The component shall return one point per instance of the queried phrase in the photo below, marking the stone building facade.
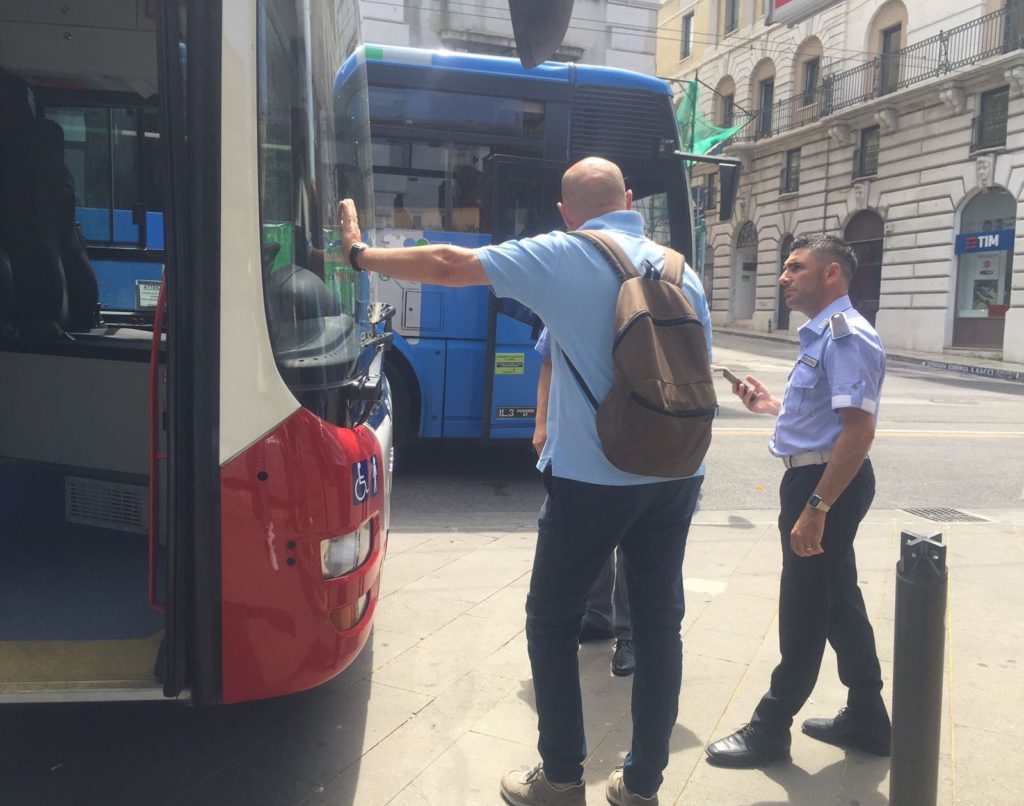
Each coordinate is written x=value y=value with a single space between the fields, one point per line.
x=604 y=32
x=897 y=125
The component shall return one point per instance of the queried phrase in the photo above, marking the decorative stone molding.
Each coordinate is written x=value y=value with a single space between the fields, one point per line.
x=744 y=152
x=1015 y=75
x=743 y=209
x=888 y=120
x=859 y=194
x=840 y=134
x=954 y=97
x=984 y=170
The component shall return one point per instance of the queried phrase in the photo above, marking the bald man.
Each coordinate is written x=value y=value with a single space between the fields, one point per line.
x=591 y=506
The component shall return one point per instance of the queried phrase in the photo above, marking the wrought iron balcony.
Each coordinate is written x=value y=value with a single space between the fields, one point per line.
x=988 y=130
x=993 y=34
x=865 y=161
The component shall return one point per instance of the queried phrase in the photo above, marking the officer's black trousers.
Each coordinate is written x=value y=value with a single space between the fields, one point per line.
x=820 y=600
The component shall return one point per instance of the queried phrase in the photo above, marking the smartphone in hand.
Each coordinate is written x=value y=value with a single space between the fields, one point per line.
x=731 y=378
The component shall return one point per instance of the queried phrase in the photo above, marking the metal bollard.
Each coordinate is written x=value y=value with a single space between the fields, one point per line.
x=921 y=582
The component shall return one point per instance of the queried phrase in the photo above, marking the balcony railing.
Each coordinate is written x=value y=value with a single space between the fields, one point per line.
x=865 y=161
x=988 y=130
x=998 y=32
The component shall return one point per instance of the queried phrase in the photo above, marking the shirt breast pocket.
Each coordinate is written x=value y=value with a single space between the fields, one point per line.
x=806 y=392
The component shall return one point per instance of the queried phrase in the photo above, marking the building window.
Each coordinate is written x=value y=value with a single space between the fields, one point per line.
x=766 y=95
x=989 y=127
x=706 y=196
x=728 y=110
x=789 y=181
x=865 y=156
x=731 y=16
x=889 y=69
x=812 y=72
x=686 y=43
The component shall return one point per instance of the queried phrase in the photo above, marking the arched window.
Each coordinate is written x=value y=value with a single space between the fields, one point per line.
x=865 y=233
x=744 y=272
x=887 y=35
x=725 y=102
x=762 y=95
x=984 y=249
x=747 y=236
x=807 y=64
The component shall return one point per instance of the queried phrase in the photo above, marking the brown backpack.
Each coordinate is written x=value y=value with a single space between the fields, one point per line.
x=656 y=421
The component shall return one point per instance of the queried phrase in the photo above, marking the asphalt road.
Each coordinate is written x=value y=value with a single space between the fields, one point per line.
x=944 y=439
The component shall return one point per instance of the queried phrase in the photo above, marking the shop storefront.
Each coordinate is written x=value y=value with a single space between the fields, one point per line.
x=984 y=249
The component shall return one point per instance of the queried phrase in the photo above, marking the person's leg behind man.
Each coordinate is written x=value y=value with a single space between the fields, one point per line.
x=653 y=553
x=599 y=619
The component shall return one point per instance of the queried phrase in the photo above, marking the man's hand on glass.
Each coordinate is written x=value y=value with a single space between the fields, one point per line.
x=348 y=223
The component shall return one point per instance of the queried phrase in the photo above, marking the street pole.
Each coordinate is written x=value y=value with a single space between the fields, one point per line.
x=921 y=586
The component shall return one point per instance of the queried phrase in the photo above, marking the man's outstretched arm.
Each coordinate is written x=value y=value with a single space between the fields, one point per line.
x=441 y=264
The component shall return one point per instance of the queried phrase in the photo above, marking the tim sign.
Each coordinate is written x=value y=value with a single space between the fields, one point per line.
x=790 y=12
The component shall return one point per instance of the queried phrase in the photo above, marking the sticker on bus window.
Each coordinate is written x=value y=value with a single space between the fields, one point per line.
x=365 y=480
x=147 y=293
x=509 y=363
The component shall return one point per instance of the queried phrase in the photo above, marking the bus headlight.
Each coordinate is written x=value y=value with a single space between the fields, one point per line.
x=341 y=555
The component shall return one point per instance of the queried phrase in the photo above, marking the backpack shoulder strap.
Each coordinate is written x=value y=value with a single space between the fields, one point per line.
x=611 y=251
x=673 y=271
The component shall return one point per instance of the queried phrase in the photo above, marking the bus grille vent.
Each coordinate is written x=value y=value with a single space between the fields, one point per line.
x=106 y=504
x=619 y=125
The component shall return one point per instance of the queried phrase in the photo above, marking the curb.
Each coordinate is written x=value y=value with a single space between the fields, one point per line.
x=999 y=373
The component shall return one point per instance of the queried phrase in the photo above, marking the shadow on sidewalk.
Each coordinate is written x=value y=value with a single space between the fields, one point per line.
x=860 y=775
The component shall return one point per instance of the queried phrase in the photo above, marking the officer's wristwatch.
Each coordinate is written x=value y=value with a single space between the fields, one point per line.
x=816 y=502
x=353 y=254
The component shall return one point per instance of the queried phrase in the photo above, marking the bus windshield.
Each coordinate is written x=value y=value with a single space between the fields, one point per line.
x=312 y=153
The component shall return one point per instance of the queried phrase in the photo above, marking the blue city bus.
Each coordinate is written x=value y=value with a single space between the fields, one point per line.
x=469 y=150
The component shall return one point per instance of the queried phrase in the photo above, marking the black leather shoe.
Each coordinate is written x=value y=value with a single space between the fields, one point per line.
x=750 y=746
x=623 y=661
x=591 y=632
x=871 y=734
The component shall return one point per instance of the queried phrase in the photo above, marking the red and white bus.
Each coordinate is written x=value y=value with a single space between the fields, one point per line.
x=195 y=428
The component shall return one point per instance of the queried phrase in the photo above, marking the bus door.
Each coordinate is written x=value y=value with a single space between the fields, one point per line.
x=524 y=194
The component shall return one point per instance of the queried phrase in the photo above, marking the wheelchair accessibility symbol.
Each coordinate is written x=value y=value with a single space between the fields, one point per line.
x=365 y=480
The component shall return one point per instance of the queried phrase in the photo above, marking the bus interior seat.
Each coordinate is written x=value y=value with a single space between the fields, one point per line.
x=55 y=287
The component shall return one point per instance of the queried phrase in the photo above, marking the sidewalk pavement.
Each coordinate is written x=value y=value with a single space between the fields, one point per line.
x=964 y=361
x=450 y=702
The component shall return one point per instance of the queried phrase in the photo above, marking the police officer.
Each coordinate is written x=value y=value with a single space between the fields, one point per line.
x=826 y=422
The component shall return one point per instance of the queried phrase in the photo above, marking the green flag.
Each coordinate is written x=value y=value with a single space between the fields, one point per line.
x=696 y=133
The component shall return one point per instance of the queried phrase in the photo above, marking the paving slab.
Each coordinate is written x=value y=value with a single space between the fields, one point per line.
x=451 y=650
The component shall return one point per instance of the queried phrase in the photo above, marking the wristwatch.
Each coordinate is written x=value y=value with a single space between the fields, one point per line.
x=816 y=502
x=353 y=254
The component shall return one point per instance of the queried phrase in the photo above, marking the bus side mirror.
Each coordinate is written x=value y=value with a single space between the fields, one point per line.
x=539 y=26
x=729 y=183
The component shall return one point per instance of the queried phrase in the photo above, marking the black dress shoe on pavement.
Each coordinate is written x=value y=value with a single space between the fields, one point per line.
x=750 y=746
x=871 y=734
x=591 y=632
x=623 y=661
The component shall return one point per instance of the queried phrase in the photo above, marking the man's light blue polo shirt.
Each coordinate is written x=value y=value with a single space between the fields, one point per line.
x=572 y=288
x=830 y=374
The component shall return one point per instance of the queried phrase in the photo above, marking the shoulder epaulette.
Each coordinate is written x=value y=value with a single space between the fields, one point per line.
x=838 y=326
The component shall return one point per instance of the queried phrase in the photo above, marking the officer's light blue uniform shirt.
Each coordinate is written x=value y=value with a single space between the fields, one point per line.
x=830 y=374
x=572 y=288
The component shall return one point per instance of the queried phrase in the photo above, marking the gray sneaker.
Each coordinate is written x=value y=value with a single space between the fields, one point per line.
x=532 y=788
x=618 y=795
